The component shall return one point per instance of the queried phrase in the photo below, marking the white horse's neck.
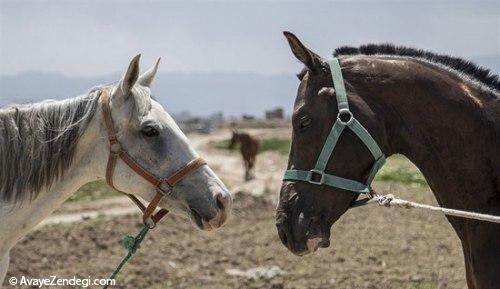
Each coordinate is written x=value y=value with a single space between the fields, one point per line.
x=88 y=165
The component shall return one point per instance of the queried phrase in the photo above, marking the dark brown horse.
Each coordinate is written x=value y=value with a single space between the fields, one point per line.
x=443 y=113
x=249 y=147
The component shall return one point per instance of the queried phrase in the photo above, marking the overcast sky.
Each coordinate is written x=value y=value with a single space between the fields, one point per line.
x=92 y=38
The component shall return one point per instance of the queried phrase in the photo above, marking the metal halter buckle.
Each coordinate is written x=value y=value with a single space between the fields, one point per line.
x=311 y=175
x=345 y=111
x=165 y=188
x=114 y=146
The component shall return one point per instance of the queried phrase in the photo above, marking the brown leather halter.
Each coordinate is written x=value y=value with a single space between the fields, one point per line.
x=163 y=186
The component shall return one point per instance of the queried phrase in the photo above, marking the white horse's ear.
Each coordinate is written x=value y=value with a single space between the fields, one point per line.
x=147 y=77
x=131 y=76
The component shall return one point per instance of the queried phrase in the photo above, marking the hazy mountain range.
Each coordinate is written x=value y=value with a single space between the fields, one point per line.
x=198 y=93
x=232 y=93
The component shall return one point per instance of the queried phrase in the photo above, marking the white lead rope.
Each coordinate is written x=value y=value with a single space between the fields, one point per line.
x=391 y=201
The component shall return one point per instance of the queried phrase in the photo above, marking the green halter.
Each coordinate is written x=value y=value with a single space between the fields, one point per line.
x=317 y=175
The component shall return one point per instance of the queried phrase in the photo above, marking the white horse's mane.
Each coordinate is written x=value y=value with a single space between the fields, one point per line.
x=38 y=141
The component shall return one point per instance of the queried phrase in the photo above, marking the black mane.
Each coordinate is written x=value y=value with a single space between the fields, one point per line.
x=481 y=74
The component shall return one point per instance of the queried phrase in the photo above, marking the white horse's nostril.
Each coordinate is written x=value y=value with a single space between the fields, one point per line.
x=223 y=203
x=220 y=202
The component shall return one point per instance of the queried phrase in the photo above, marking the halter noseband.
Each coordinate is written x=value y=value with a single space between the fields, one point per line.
x=163 y=186
x=317 y=175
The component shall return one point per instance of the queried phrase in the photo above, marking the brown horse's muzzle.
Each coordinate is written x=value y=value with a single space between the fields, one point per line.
x=301 y=228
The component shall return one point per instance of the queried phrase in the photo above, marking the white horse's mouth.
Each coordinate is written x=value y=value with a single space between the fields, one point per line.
x=196 y=218
x=207 y=224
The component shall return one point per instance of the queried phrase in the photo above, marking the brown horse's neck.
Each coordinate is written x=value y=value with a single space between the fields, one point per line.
x=244 y=139
x=447 y=125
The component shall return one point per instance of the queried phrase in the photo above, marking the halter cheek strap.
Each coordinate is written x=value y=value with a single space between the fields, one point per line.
x=163 y=186
x=345 y=119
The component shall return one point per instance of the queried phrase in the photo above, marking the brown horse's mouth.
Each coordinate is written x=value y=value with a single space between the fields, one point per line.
x=301 y=240
x=304 y=217
x=314 y=243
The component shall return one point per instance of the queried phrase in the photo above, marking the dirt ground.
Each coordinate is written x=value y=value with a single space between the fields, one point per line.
x=371 y=248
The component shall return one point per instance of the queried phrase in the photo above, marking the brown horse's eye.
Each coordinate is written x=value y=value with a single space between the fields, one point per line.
x=305 y=121
x=150 y=131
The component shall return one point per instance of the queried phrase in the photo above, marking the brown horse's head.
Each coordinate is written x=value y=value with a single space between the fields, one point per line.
x=234 y=139
x=307 y=211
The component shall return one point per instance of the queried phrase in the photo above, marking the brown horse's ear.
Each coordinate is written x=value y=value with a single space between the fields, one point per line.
x=310 y=59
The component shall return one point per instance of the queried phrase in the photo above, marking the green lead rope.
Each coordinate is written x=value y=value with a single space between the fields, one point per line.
x=132 y=244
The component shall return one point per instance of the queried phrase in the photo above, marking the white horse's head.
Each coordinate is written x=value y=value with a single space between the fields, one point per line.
x=153 y=139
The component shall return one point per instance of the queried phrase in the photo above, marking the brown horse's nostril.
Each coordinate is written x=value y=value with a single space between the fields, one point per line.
x=284 y=233
x=283 y=236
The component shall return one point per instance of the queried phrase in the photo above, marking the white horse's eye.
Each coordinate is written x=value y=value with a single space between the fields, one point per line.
x=150 y=131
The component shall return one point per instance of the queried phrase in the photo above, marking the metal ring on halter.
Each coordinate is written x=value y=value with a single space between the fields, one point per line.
x=345 y=111
x=115 y=147
x=150 y=223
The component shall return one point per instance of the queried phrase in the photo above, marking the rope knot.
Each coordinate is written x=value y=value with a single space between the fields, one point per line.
x=130 y=243
x=385 y=200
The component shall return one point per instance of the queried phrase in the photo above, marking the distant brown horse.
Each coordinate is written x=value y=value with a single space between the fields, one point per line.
x=441 y=112
x=249 y=147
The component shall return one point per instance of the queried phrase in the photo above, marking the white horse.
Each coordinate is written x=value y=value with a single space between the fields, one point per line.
x=50 y=149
